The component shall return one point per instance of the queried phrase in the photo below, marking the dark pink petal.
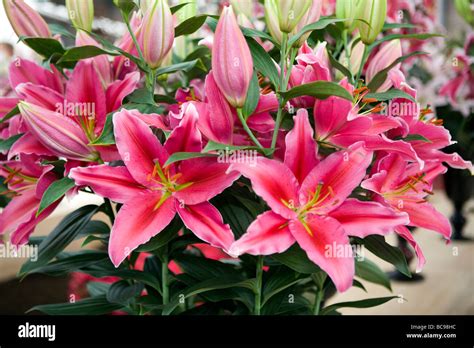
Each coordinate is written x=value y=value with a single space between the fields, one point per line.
x=208 y=178
x=185 y=137
x=28 y=144
x=330 y=115
x=7 y=104
x=120 y=89
x=424 y=215
x=115 y=183
x=85 y=88
x=327 y=246
x=205 y=221
x=137 y=221
x=405 y=233
x=361 y=219
x=216 y=121
x=338 y=175
x=381 y=124
x=301 y=149
x=274 y=182
x=454 y=160
x=138 y=146
x=42 y=96
x=23 y=70
x=268 y=234
x=18 y=211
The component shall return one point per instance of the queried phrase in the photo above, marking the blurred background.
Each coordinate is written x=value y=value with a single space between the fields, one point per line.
x=446 y=284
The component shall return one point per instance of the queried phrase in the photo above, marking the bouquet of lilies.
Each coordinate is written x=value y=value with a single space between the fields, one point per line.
x=242 y=174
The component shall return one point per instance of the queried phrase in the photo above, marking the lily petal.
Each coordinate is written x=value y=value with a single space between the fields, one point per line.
x=361 y=219
x=206 y=223
x=138 y=221
x=327 y=246
x=268 y=234
x=185 y=137
x=274 y=182
x=405 y=233
x=301 y=149
x=115 y=183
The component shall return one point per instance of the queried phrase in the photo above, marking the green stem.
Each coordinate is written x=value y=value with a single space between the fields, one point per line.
x=248 y=130
x=164 y=278
x=258 y=292
x=151 y=81
x=317 y=301
x=364 y=58
x=134 y=38
x=281 y=88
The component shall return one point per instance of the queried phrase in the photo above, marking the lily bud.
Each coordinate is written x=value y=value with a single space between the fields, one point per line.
x=390 y=52
x=57 y=132
x=372 y=15
x=346 y=9
x=232 y=63
x=157 y=33
x=24 y=20
x=183 y=44
x=355 y=56
x=290 y=13
x=271 y=19
x=311 y=16
x=81 y=13
x=245 y=7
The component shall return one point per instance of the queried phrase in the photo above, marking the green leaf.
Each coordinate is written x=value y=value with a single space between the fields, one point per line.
x=223 y=282
x=60 y=237
x=190 y=25
x=94 y=227
x=389 y=95
x=125 y=6
x=90 y=306
x=107 y=136
x=162 y=238
x=176 y=8
x=13 y=112
x=319 y=90
x=253 y=96
x=378 y=246
x=390 y=26
x=339 y=66
x=321 y=24
x=75 y=54
x=382 y=75
x=45 y=47
x=296 y=259
x=123 y=292
x=263 y=62
x=54 y=192
x=213 y=146
x=367 y=303
x=182 y=156
x=184 y=66
x=422 y=36
x=369 y=271
x=416 y=137
x=278 y=280
x=6 y=144
x=97 y=288
x=202 y=268
x=71 y=262
x=58 y=29
x=253 y=33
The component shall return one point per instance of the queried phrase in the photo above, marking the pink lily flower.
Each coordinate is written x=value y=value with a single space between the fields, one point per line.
x=404 y=187
x=310 y=205
x=338 y=125
x=27 y=180
x=231 y=59
x=153 y=193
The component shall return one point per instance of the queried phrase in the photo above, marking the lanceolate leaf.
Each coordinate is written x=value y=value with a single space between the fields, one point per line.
x=60 y=237
x=89 y=306
x=296 y=259
x=82 y=52
x=190 y=25
x=107 y=136
x=378 y=246
x=6 y=144
x=253 y=95
x=122 y=292
x=321 y=24
x=263 y=62
x=369 y=271
x=389 y=95
x=184 y=66
x=54 y=192
x=182 y=156
x=367 y=303
x=45 y=47
x=422 y=36
x=319 y=90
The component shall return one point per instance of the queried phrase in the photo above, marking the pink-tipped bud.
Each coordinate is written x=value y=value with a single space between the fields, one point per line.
x=390 y=52
x=24 y=20
x=231 y=59
x=157 y=33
